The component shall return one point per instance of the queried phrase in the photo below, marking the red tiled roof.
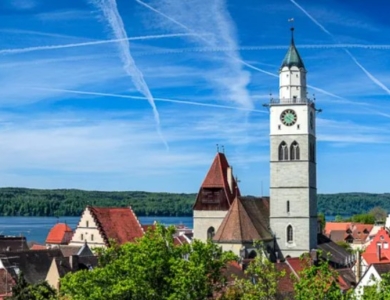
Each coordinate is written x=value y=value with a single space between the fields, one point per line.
x=330 y=226
x=297 y=264
x=38 y=247
x=285 y=283
x=232 y=271
x=371 y=254
x=217 y=181
x=59 y=234
x=120 y=224
x=340 y=231
x=247 y=220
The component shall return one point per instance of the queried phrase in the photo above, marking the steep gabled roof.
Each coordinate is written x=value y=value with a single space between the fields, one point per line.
x=119 y=224
x=247 y=220
x=217 y=182
x=292 y=57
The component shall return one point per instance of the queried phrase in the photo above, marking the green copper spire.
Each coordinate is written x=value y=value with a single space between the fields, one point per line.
x=292 y=57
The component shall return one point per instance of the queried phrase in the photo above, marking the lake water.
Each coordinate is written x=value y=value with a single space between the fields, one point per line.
x=37 y=228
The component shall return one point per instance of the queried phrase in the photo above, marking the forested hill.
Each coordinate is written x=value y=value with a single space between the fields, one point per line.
x=62 y=202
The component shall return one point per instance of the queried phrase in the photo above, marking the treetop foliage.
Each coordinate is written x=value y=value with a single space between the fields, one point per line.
x=152 y=268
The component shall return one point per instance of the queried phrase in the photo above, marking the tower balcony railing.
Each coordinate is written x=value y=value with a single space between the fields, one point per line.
x=282 y=101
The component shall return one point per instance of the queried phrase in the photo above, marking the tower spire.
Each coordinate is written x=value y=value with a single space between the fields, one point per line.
x=292 y=35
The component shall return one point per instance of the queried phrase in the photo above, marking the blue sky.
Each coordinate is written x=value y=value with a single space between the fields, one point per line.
x=135 y=95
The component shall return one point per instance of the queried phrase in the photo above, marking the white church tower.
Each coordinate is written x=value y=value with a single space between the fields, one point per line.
x=293 y=186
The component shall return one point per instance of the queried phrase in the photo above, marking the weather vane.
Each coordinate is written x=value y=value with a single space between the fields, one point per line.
x=291 y=20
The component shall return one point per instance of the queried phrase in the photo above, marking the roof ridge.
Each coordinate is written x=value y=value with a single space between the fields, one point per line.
x=99 y=225
x=135 y=216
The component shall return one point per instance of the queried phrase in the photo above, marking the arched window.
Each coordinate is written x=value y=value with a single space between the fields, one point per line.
x=283 y=151
x=210 y=233
x=290 y=234
x=294 y=151
x=288 y=205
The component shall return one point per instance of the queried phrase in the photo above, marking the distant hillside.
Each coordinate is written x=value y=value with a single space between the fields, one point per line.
x=62 y=202
x=352 y=203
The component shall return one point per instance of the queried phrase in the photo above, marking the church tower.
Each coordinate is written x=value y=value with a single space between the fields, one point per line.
x=293 y=186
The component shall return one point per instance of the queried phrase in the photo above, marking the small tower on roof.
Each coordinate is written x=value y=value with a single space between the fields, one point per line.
x=292 y=76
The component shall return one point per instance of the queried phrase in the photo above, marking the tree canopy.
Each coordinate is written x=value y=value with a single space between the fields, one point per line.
x=152 y=268
x=261 y=281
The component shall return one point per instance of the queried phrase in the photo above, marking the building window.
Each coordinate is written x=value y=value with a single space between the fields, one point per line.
x=91 y=237
x=294 y=151
x=288 y=205
x=210 y=233
x=87 y=224
x=289 y=234
x=283 y=151
x=82 y=237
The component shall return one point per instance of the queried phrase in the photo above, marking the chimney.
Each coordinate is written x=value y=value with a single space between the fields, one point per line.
x=358 y=266
x=230 y=178
x=74 y=262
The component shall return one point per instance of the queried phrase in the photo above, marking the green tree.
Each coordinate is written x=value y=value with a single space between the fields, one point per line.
x=261 y=280
x=378 y=213
x=316 y=281
x=25 y=291
x=152 y=268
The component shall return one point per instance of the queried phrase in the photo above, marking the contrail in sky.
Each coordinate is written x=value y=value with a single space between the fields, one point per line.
x=185 y=102
x=260 y=48
x=234 y=58
x=123 y=39
x=201 y=15
x=369 y=75
x=110 y=11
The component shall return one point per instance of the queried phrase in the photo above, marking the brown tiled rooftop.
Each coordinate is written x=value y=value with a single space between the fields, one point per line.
x=119 y=224
x=247 y=220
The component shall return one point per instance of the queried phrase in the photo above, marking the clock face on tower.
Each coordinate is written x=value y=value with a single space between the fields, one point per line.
x=288 y=117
